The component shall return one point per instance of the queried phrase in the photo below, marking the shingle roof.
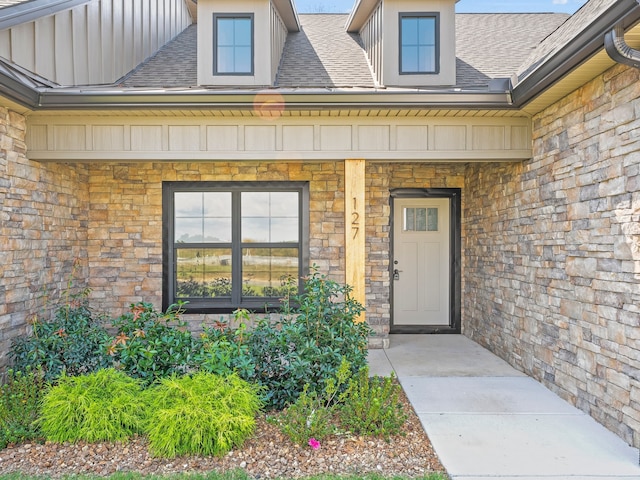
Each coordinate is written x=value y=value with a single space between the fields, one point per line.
x=494 y=45
x=174 y=65
x=592 y=10
x=323 y=54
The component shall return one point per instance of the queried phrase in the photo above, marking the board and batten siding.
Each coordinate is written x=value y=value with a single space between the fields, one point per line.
x=371 y=35
x=278 y=39
x=61 y=138
x=105 y=39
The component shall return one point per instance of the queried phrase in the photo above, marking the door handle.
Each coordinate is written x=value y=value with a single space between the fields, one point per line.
x=396 y=274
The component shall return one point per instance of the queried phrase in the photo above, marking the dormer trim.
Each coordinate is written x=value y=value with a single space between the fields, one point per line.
x=360 y=13
x=288 y=13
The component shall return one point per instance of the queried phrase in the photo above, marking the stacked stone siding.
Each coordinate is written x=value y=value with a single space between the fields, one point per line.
x=125 y=221
x=552 y=278
x=43 y=227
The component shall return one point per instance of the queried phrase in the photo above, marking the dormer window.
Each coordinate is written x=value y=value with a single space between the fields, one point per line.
x=233 y=44
x=419 y=49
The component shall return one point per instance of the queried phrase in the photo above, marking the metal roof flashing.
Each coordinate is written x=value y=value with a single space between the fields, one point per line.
x=31 y=10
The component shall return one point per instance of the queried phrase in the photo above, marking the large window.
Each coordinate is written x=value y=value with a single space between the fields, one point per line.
x=419 y=35
x=232 y=245
x=233 y=44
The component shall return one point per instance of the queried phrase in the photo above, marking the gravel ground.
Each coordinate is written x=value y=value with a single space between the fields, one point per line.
x=267 y=455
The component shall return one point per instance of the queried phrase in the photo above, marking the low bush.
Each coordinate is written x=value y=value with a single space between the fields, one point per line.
x=312 y=415
x=225 y=350
x=204 y=414
x=152 y=345
x=371 y=406
x=20 y=397
x=317 y=330
x=102 y=406
x=73 y=342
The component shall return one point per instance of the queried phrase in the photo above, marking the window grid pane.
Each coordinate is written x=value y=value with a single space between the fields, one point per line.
x=203 y=273
x=418 y=48
x=269 y=272
x=234 y=45
x=221 y=258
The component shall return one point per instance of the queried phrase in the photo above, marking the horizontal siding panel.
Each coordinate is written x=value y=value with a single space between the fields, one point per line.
x=109 y=138
x=222 y=138
x=184 y=138
x=146 y=138
x=335 y=137
x=410 y=137
x=260 y=138
x=373 y=138
x=488 y=137
x=70 y=137
x=297 y=137
x=450 y=137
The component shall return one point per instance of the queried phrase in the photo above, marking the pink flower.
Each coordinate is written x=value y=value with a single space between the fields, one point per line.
x=313 y=443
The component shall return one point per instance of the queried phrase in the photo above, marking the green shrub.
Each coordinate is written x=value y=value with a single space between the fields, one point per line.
x=371 y=406
x=312 y=415
x=152 y=345
x=102 y=406
x=203 y=414
x=225 y=350
x=20 y=397
x=306 y=346
x=74 y=342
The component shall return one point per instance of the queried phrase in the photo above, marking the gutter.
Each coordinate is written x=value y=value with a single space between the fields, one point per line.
x=618 y=49
x=583 y=46
x=270 y=100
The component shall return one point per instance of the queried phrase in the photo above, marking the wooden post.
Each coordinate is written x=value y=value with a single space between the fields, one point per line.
x=355 y=234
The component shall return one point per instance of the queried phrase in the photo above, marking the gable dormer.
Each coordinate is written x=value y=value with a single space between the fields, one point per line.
x=409 y=43
x=240 y=42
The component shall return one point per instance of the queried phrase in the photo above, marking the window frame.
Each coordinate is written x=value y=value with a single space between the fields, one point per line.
x=169 y=246
x=436 y=17
x=238 y=16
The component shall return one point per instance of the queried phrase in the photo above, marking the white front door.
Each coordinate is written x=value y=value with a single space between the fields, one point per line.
x=421 y=264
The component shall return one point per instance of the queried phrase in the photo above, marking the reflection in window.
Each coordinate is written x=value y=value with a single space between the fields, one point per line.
x=418 y=44
x=233 y=47
x=420 y=219
x=233 y=245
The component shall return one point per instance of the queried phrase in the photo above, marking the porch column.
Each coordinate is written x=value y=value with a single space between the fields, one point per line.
x=354 y=212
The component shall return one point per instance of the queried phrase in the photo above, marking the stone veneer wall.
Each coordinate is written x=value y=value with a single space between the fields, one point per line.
x=43 y=231
x=552 y=280
x=125 y=222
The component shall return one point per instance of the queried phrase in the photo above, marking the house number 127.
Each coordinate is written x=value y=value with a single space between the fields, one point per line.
x=355 y=219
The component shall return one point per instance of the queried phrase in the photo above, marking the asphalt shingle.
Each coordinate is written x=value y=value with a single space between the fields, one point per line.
x=494 y=45
x=324 y=55
x=174 y=65
x=564 y=34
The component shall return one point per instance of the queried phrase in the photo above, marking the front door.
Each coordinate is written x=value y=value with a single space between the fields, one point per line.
x=422 y=265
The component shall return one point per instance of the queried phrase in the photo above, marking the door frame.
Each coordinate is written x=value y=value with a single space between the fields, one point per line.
x=455 y=267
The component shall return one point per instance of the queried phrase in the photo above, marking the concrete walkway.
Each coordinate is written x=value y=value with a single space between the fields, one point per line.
x=486 y=420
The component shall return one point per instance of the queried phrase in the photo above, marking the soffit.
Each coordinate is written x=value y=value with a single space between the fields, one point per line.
x=391 y=113
x=586 y=72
